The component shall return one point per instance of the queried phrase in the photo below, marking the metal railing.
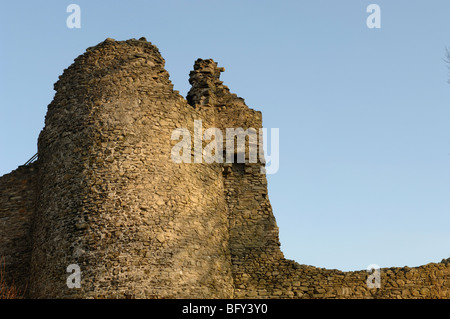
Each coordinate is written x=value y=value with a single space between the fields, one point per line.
x=32 y=159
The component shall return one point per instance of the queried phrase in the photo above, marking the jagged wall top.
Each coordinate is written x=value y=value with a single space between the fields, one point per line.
x=207 y=89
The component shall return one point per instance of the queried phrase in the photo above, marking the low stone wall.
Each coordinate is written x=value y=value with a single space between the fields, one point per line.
x=288 y=279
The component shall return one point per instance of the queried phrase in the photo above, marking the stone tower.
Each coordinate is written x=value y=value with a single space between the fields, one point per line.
x=107 y=196
x=114 y=202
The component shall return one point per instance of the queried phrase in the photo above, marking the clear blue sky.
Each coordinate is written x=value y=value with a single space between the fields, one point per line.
x=363 y=113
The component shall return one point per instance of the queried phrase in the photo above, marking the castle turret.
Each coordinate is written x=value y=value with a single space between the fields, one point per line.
x=111 y=200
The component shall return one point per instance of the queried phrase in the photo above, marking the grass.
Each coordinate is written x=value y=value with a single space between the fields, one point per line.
x=7 y=291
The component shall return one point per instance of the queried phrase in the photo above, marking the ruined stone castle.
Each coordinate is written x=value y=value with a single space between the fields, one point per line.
x=105 y=195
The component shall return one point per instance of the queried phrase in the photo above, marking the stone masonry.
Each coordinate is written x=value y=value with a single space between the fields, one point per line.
x=106 y=195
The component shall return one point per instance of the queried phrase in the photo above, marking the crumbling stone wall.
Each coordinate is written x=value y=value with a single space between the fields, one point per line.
x=106 y=195
x=254 y=243
x=259 y=267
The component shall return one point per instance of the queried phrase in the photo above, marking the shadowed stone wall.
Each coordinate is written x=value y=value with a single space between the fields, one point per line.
x=17 y=200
